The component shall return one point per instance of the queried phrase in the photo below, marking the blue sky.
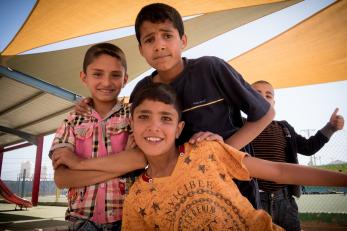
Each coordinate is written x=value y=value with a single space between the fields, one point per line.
x=307 y=107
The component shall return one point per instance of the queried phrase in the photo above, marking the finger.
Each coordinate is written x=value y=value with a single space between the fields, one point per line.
x=340 y=123
x=215 y=137
x=55 y=164
x=335 y=111
x=55 y=156
x=133 y=145
x=194 y=138
x=204 y=136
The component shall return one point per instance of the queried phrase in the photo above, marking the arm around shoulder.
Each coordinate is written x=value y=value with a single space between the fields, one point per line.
x=250 y=130
x=67 y=178
x=119 y=164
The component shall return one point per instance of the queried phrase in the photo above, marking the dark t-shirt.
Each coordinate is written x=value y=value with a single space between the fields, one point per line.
x=212 y=94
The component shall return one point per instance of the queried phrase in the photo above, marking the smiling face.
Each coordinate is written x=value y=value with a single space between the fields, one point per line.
x=266 y=90
x=162 y=46
x=104 y=77
x=156 y=126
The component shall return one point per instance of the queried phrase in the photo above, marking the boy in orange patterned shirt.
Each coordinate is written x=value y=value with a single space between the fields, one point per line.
x=191 y=187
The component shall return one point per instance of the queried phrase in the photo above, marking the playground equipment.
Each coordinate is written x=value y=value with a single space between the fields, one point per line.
x=12 y=198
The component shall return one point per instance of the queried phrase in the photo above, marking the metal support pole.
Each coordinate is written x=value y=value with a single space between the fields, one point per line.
x=37 y=173
x=1 y=158
x=23 y=183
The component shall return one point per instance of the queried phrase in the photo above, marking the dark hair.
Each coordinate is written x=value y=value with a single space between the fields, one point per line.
x=101 y=49
x=159 y=92
x=158 y=13
x=261 y=81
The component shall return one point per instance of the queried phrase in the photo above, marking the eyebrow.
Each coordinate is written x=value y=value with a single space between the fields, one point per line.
x=269 y=92
x=162 y=30
x=115 y=71
x=150 y=112
x=97 y=69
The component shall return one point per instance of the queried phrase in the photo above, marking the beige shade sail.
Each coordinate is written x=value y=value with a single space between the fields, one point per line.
x=29 y=110
x=56 y=20
x=62 y=67
x=313 y=52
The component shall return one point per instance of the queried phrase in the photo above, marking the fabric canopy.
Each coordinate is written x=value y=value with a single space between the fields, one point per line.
x=57 y=20
x=62 y=67
x=312 y=52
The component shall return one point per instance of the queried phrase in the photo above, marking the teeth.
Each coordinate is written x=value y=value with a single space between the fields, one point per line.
x=106 y=91
x=153 y=139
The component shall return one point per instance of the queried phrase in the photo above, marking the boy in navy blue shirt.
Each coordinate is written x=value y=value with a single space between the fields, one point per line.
x=212 y=93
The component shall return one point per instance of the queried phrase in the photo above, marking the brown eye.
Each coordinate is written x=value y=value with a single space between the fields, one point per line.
x=143 y=117
x=166 y=118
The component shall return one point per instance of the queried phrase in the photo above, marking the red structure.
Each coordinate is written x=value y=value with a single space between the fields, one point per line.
x=1 y=158
x=37 y=173
x=38 y=163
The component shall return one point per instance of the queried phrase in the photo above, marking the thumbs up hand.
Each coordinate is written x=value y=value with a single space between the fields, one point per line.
x=336 y=121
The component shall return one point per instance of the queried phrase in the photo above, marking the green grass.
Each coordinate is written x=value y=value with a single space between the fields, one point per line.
x=333 y=218
x=335 y=167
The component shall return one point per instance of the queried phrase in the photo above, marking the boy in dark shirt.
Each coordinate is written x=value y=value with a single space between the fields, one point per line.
x=279 y=142
x=212 y=93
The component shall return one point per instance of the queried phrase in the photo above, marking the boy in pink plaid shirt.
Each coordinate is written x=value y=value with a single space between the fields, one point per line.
x=94 y=205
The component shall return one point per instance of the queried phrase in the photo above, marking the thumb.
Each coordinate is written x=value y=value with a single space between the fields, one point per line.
x=335 y=112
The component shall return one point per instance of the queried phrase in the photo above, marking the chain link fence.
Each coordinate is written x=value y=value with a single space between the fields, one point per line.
x=314 y=199
x=332 y=156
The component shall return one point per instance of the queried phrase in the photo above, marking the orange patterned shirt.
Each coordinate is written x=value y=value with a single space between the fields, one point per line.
x=200 y=194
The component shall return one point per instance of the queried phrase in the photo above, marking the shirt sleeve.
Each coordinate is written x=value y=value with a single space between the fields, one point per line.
x=64 y=136
x=232 y=159
x=237 y=91
x=132 y=219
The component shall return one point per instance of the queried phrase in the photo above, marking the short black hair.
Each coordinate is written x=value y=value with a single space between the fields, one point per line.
x=158 y=13
x=101 y=49
x=261 y=81
x=159 y=92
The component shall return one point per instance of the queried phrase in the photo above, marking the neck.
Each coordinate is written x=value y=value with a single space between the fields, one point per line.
x=169 y=75
x=103 y=108
x=163 y=165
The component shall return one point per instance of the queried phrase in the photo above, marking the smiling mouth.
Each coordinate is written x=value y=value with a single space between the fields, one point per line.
x=107 y=91
x=153 y=139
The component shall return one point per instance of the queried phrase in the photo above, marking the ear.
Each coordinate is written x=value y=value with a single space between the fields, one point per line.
x=83 y=77
x=131 y=121
x=179 y=130
x=184 y=41
x=140 y=49
x=125 y=80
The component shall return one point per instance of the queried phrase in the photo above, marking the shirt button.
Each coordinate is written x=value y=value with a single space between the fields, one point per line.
x=102 y=185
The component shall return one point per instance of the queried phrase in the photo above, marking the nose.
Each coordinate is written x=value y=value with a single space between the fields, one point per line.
x=106 y=81
x=153 y=126
x=159 y=44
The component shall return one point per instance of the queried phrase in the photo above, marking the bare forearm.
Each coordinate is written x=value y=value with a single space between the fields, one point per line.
x=250 y=130
x=285 y=173
x=119 y=164
x=67 y=178
x=303 y=175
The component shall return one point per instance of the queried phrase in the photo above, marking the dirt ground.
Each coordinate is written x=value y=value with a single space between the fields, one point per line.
x=318 y=226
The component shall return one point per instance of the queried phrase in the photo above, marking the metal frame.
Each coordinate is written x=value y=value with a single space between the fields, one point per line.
x=39 y=84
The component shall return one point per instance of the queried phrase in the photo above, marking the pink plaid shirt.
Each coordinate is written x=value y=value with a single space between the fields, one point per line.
x=91 y=137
